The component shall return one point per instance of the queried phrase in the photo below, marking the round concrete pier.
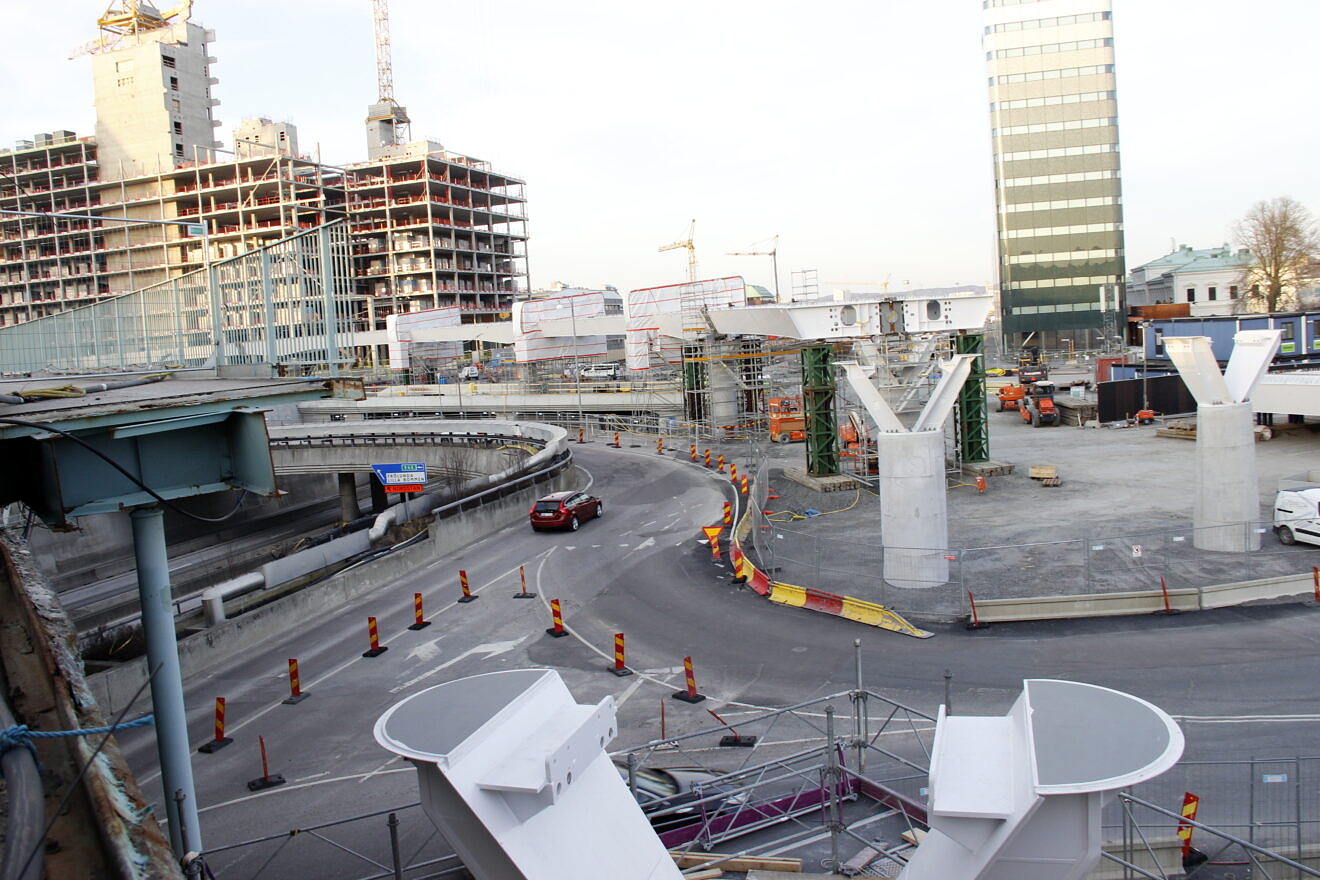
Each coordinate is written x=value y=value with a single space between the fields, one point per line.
x=914 y=514
x=1227 y=486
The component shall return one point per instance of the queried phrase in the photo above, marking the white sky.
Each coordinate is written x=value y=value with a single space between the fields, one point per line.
x=858 y=131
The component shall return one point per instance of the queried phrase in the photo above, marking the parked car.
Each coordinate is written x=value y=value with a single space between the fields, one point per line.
x=564 y=510
x=602 y=371
x=469 y=373
x=666 y=794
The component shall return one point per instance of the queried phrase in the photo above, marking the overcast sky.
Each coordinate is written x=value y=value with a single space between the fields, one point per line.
x=856 y=131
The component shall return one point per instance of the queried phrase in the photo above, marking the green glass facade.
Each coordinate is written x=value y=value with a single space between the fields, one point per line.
x=1058 y=187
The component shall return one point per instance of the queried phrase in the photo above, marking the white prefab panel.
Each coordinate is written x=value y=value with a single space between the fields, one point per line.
x=1253 y=350
x=691 y=297
x=534 y=343
x=405 y=343
x=513 y=772
x=869 y=396
x=1196 y=364
x=1227 y=479
x=498 y=332
x=953 y=374
x=1019 y=796
x=1288 y=393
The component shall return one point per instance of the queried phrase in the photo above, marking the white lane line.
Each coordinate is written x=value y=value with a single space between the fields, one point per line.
x=285 y=789
x=631 y=689
x=649 y=542
x=239 y=725
x=492 y=649
x=1243 y=719
x=379 y=769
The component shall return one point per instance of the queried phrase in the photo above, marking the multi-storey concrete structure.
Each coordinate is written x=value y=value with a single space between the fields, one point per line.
x=430 y=227
x=1058 y=202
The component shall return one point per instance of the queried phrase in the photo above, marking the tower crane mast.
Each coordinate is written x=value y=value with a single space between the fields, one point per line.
x=691 y=249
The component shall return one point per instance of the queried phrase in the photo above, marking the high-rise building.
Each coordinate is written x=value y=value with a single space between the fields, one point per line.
x=1058 y=194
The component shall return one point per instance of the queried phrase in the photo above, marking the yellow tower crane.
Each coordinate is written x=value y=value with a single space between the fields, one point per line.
x=691 y=249
x=773 y=254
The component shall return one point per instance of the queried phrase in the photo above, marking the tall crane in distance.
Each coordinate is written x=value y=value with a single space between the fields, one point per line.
x=387 y=122
x=691 y=249
x=773 y=254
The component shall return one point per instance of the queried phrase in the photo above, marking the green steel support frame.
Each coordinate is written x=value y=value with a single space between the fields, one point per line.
x=971 y=424
x=818 y=410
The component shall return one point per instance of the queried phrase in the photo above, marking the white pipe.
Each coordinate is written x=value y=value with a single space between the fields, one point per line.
x=213 y=598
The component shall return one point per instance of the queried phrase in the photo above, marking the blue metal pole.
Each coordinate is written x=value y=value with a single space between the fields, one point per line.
x=153 y=573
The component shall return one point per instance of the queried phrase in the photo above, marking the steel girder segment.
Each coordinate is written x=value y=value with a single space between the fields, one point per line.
x=818 y=409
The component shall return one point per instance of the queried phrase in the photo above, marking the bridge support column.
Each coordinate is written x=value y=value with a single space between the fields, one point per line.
x=349 y=509
x=379 y=500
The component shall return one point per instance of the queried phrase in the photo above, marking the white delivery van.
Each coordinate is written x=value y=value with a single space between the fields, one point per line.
x=602 y=371
x=1297 y=515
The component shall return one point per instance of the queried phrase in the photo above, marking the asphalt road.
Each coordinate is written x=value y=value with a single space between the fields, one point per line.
x=1241 y=680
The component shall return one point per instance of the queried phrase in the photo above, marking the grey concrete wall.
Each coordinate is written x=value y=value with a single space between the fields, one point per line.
x=268 y=625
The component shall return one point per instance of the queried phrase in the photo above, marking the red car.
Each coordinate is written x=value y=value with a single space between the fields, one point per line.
x=564 y=510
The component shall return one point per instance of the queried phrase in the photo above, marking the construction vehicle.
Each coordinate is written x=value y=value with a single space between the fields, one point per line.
x=1030 y=369
x=1037 y=407
x=786 y=420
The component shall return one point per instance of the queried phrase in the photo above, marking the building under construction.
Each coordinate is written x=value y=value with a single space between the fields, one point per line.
x=429 y=227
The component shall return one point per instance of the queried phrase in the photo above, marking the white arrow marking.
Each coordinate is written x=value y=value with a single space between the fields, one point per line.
x=491 y=649
x=649 y=542
x=426 y=650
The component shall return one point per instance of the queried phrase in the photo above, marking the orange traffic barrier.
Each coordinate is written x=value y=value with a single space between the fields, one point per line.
x=557 y=618
x=692 y=451
x=733 y=474
x=522 y=580
x=744 y=484
x=266 y=779
x=1315 y=576
x=1164 y=591
x=980 y=484
x=690 y=695
x=616 y=440
x=220 y=740
x=659 y=445
x=720 y=464
x=707 y=465
x=582 y=438
x=295 y=685
x=619 y=668
x=1190 y=804
x=728 y=514
x=420 y=622
x=467 y=593
x=372 y=633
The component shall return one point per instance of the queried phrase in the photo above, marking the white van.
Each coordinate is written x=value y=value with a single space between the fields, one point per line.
x=1297 y=515
x=602 y=371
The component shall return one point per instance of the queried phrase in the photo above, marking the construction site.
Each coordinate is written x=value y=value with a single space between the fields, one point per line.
x=183 y=321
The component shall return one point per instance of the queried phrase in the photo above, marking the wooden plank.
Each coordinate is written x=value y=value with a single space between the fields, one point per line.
x=1043 y=472
x=738 y=863
x=709 y=874
x=914 y=836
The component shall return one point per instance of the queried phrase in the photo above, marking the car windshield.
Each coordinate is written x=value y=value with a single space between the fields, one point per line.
x=656 y=782
x=547 y=506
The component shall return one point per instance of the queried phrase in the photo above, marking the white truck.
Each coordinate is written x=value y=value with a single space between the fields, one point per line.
x=1297 y=514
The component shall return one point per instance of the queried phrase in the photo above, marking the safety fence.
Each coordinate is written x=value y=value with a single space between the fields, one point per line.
x=288 y=302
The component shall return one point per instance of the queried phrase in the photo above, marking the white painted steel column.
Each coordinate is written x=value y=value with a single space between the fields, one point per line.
x=914 y=513
x=1227 y=485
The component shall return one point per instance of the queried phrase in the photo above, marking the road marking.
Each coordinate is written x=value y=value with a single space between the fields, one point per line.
x=379 y=769
x=632 y=688
x=649 y=542
x=492 y=649
x=239 y=725
x=285 y=789
x=426 y=650
x=1244 y=719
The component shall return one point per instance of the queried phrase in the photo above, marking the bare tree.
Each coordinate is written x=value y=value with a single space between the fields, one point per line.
x=1281 y=235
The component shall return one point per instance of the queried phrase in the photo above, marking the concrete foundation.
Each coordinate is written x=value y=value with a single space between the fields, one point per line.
x=914 y=517
x=1227 y=485
x=349 y=509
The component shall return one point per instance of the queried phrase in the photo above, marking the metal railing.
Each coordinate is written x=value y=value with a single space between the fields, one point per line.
x=287 y=302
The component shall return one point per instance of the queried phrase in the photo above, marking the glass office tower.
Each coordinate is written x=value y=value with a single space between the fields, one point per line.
x=1058 y=193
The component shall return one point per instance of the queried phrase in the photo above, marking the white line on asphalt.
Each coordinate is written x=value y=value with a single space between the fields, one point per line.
x=491 y=649
x=378 y=770
x=285 y=789
x=347 y=663
x=649 y=542
x=631 y=689
x=1243 y=719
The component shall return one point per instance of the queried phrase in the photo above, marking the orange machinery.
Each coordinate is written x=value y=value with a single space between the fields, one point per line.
x=786 y=420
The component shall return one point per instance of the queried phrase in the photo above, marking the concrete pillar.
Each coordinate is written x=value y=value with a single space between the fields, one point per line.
x=379 y=500
x=349 y=509
x=153 y=576
x=914 y=513
x=1227 y=485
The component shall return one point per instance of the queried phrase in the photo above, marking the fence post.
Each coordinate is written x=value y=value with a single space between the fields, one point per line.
x=832 y=774
x=393 y=823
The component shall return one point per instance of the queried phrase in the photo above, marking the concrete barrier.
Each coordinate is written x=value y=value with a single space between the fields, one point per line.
x=1288 y=587
x=1098 y=605
x=270 y=624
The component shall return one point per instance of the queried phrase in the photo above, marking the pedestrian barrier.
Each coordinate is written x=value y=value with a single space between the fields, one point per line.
x=557 y=618
x=220 y=740
x=467 y=593
x=376 y=647
x=421 y=622
x=295 y=687
x=619 y=668
x=690 y=695
x=522 y=590
x=266 y=779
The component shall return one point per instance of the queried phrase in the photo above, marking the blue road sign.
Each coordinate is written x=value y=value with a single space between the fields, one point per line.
x=407 y=476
